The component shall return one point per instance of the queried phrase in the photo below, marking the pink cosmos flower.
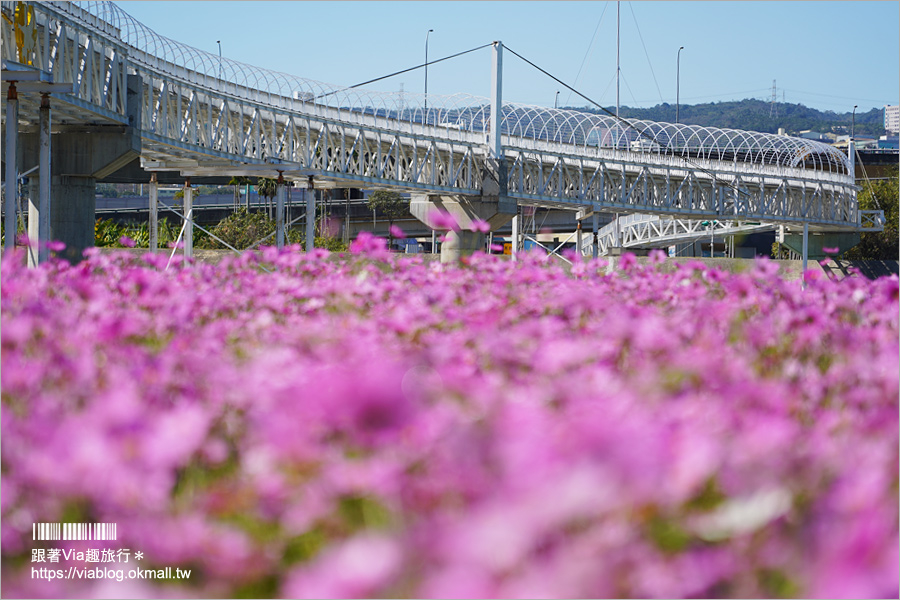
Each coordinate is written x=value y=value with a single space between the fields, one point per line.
x=398 y=233
x=480 y=225
x=368 y=243
x=442 y=220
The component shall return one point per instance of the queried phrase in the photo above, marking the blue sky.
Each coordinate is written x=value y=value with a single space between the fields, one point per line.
x=827 y=55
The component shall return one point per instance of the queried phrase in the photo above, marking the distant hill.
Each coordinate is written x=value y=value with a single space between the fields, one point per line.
x=753 y=115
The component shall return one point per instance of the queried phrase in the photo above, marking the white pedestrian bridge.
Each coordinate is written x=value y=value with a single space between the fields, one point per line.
x=198 y=114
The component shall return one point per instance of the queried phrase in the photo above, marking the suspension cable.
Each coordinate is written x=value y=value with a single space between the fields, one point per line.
x=865 y=175
x=588 y=51
x=425 y=64
x=645 y=51
x=627 y=124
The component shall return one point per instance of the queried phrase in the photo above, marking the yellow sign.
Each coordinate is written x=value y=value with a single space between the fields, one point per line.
x=26 y=33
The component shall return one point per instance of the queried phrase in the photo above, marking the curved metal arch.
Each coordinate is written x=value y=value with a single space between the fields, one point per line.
x=459 y=111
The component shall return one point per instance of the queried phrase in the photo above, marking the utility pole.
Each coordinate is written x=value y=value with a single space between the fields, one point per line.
x=425 y=121
x=773 y=110
x=678 y=83
x=618 y=30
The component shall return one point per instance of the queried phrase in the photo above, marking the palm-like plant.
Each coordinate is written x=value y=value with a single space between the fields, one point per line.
x=237 y=181
x=267 y=188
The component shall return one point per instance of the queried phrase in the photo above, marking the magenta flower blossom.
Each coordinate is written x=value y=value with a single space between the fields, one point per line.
x=368 y=243
x=442 y=220
x=398 y=233
x=126 y=241
x=480 y=226
x=380 y=425
x=828 y=250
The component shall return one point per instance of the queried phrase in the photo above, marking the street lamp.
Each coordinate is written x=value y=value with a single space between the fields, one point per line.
x=556 y=101
x=219 y=42
x=678 y=83
x=853 y=122
x=426 y=74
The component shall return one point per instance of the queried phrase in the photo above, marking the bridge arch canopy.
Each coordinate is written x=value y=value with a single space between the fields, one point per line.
x=604 y=131
x=459 y=111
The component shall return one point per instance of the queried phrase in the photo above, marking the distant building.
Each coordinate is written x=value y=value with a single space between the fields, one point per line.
x=892 y=119
x=889 y=142
x=814 y=135
x=865 y=142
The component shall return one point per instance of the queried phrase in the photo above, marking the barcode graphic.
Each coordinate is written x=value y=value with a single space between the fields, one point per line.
x=73 y=531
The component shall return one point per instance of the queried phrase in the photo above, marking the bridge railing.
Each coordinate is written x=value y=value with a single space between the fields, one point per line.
x=238 y=114
x=871 y=220
x=462 y=112
x=82 y=51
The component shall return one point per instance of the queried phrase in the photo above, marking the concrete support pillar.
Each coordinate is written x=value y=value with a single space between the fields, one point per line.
x=279 y=211
x=805 y=252
x=594 y=230
x=12 y=174
x=514 y=238
x=579 y=239
x=618 y=239
x=467 y=212
x=154 y=213
x=39 y=211
x=310 y=215
x=461 y=243
x=73 y=199
x=189 y=215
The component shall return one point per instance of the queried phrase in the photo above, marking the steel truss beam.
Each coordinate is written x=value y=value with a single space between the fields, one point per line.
x=194 y=123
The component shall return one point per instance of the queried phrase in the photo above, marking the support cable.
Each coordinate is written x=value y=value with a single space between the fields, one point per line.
x=627 y=124
x=645 y=52
x=188 y=219
x=866 y=176
x=433 y=62
x=633 y=99
x=588 y=52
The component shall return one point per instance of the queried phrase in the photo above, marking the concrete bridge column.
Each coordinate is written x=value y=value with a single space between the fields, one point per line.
x=81 y=154
x=279 y=211
x=310 y=194
x=515 y=234
x=189 y=218
x=39 y=204
x=464 y=210
x=805 y=253
x=154 y=213
x=579 y=237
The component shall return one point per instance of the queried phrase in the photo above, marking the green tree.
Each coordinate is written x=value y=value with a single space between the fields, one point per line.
x=391 y=205
x=883 y=245
x=267 y=188
x=241 y=229
x=237 y=181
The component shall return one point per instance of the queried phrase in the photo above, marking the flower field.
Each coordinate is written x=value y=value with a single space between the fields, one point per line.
x=293 y=425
